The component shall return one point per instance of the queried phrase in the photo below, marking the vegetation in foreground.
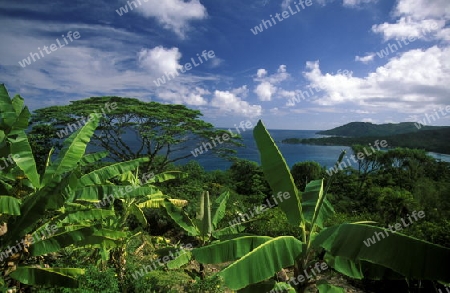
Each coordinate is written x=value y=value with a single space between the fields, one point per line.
x=99 y=248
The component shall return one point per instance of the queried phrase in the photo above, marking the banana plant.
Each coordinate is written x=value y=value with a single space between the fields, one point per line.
x=38 y=212
x=135 y=193
x=255 y=259
x=204 y=226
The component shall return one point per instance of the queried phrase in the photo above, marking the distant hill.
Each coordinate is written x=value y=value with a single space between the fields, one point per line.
x=360 y=129
x=435 y=140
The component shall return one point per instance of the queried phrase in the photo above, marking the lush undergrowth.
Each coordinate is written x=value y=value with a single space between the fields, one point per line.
x=76 y=223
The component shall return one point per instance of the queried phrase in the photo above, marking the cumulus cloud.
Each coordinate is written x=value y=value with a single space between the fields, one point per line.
x=94 y=68
x=423 y=9
x=267 y=86
x=265 y=90
x=229 y=102
x=413 y=79
x=261 y=73
x=365 y=59
x=408 y=27
x=241 y=91
x=174 y=15
x=185 y=95
x=417 y=18
x=160 y=60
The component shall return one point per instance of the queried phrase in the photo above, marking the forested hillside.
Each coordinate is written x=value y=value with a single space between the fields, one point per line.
x=432 y=140
x=359 y=129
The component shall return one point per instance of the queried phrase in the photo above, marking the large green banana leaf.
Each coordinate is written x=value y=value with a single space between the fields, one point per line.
x=17 y=103
x=92 y=158
x=278 y=175
x=411 y=257
x=257 y=265
x=361 y=269
x=229 y=250
x=104 y=239
x=84 y=216
x=79 y=236
x=316 y=208
x=73 y=150
x=181 y=218
x=95 y=193
x=219 y=208
x=158 y=201
x=8 y=114
x=165 y=176
x=61 y=240
x=23 y=157
x=100 y=176
x=184 y=258
x=49 y=197
x=9 y=205
x=63 y=277
x=16 y=116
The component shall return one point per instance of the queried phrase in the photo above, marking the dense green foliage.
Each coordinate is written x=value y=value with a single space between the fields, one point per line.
x=304 y=172
x=101 y=245
x=310 y=211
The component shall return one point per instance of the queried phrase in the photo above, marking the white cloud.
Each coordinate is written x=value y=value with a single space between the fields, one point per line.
x=185 y=95
x=229 y=102
x=267 y=83
x=241 y=91
x=417 y=18
x=415 y=79
x=409 y=27
x=423 y=9
x=356 y=3
x=347 y=3
x=261 y=73
x=174 y=14
x=92 y=68
x=265 y=90
x=365 y=59
x=160 y=60
x=287 y=94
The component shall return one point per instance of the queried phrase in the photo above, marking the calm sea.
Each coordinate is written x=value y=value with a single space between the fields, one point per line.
x=293 y=153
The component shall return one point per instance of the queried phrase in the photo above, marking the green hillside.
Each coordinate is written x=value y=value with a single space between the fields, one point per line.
x=359 y=129
x=435 y=140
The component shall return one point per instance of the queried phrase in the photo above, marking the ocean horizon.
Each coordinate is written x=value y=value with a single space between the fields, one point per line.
x=293 y=153
x=326 y=156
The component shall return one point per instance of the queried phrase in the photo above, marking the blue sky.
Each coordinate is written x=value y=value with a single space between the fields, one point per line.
x=378 y=61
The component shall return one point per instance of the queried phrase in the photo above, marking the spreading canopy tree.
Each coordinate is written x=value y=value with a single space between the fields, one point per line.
x=130 y=128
